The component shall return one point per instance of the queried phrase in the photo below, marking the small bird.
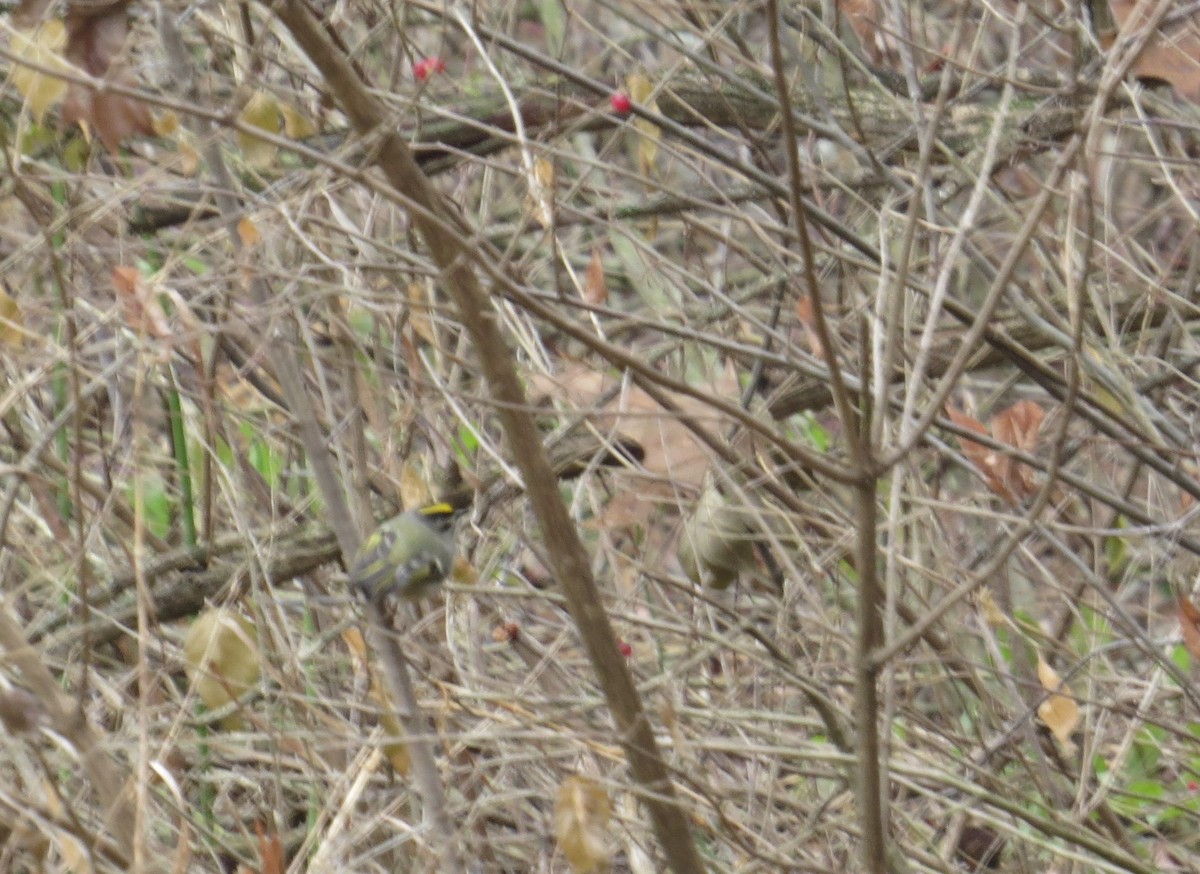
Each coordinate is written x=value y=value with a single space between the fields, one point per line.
x=408 y=555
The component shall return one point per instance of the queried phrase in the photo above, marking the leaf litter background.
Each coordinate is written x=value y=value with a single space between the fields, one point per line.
x=1036 y=542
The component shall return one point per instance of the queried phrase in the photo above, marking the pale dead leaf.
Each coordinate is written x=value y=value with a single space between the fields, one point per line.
x=414 y=487
x=581 y=815
x=1059 y=712
x=641 y=90
x=42 y=46
x=992 y=614
x=539 y=200
x=395 y=749
x=261 y=111
x=12 y=322
x=222 y=659
x=75 y=855
x=189 y=158
x=166 y=124
x=356 y=643
x=296 y=125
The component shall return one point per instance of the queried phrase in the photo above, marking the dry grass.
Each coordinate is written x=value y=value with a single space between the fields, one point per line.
x=669 y=303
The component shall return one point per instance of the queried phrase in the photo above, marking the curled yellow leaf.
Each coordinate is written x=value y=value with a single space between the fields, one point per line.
x=1059 y=712
x=263 y=112
x=641 y=89
x=42 y=46
x=222 y=660
x=581 y=815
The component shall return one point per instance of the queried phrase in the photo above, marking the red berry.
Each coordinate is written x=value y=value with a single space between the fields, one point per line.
x=620 y=102
x=1193 y=785
x=426 y=67
x=507 y=633
x=625 y=648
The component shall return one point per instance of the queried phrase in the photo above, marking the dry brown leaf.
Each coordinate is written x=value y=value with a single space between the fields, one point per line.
x=672 y=451
x=804 y=312
x=96 y=37
x=581 y=815
x=418 y=313
x=1019 y=427
x=143 y=313
x=1059 y=712
x=353 y=638
x=1171 y=55
x=1189 y=624
x=979 y=848
x=863 y=18
x=1186 y=499
x=595 y=289
x=674 y=460
x=979 y=455
x=248 y=232
x=271 y=855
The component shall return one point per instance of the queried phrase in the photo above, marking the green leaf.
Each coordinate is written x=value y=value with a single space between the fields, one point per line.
x=1116 y=551
x=156 y=503
x=1181 y=659
x=816 y=433
x=554 y=20
x=194 y=264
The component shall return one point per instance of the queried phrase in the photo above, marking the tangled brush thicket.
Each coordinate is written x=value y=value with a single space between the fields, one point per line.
x=859 y=338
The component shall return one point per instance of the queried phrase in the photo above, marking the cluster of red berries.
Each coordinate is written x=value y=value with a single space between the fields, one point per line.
x=427 y=67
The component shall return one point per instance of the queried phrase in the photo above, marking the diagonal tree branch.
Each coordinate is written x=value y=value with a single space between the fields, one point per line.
x=570 y=560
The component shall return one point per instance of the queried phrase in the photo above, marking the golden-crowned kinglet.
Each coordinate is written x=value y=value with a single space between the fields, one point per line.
x=409 y=554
